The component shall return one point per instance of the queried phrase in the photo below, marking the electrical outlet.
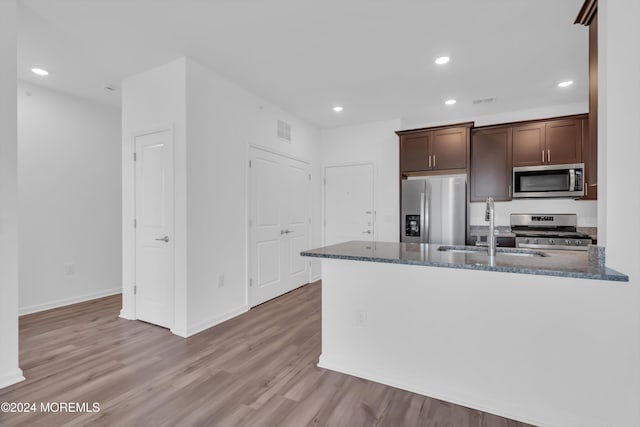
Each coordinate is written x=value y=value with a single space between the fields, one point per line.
x=361 y=317
x=69 y=269
x=221 y=280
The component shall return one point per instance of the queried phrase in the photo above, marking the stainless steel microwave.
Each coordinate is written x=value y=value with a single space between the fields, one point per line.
x=549 y=181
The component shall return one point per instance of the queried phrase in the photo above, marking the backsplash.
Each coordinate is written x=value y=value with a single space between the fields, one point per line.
x=585 y=209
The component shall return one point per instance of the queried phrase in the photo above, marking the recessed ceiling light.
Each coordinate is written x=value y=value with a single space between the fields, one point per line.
x=337 y=108
x=565 y=84
x=450 y=101
x=442 y=60
x=40 y=71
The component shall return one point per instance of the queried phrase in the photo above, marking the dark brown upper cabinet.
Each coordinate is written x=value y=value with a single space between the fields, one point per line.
x=414 y=152
x=490 y=168
x=449 y=148
x=434 y=149
x=564 y=141
x=529 y=144
x=588 y=16
x=548 y=143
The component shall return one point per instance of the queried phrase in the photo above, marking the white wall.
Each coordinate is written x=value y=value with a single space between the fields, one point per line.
x=9 y=371
x=151 y=101
x=69 y=194
x=619 y=136
x=223 y=120
x=214 y=122
x=374 y=143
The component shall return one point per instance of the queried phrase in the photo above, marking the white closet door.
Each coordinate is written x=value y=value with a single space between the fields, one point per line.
x=279 y=212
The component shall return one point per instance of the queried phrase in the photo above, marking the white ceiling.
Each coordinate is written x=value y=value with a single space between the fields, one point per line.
x=374 y=57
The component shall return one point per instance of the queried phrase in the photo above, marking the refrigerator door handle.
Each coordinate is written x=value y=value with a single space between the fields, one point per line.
x=427 y=214
x=422 y=219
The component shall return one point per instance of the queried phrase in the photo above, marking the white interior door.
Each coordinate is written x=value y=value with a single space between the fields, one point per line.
x=154 y=228
x=296 y=187
x=279 y=215
x=348 y=203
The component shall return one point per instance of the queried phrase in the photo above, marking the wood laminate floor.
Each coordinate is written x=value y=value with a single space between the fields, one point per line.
x=258 y=369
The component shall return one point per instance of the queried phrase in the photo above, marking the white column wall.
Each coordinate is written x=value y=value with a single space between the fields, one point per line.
x=619 y=197
x=9 y=371
x=151 y=101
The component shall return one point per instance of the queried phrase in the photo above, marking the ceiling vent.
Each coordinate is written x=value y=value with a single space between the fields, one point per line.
x=484 y=100
x=284 y=130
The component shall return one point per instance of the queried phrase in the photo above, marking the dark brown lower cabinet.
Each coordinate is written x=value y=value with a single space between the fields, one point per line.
x=490 y=170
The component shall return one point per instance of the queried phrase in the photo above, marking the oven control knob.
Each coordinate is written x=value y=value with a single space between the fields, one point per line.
x=551 y=241
x=535 y=241
x=567 y=242
x=578 y=242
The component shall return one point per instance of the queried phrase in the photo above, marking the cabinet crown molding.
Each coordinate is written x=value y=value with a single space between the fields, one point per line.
x=453 y=125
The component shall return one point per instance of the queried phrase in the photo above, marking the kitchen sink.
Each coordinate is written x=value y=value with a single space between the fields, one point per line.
x=483 y=251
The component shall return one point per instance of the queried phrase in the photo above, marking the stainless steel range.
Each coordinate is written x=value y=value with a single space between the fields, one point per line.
x=548 y=231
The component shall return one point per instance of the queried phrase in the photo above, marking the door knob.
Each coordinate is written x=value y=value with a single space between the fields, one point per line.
x=285 y=232
x=366 y=232
x=164 y=239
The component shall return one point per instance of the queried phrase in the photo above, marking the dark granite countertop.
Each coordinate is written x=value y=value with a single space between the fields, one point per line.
x=576 y=264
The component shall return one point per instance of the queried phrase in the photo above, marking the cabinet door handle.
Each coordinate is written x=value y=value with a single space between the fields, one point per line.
x=434 y=160
x=429 y=160
x=586 y=189
x=549 y=156
x=509 y=192
x=542 y=156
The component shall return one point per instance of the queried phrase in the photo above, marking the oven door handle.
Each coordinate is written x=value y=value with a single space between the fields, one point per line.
x=564 y=247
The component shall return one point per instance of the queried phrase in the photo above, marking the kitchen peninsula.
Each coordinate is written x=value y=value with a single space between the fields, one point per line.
x=507 y=337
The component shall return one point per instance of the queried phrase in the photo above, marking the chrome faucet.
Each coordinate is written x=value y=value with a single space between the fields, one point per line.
x=490 y=215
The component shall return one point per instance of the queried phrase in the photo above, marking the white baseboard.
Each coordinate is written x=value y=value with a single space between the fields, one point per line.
x=316 y=278
x=334 y=365
x=67 y=301
x=181 y=332
x=11 y=378
x=206 y=324
x=126 y=315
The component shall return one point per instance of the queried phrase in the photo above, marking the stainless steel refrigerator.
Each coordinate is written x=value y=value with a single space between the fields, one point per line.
x=434 y=209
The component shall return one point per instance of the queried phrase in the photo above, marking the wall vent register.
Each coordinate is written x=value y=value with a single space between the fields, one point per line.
x=284 y=130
